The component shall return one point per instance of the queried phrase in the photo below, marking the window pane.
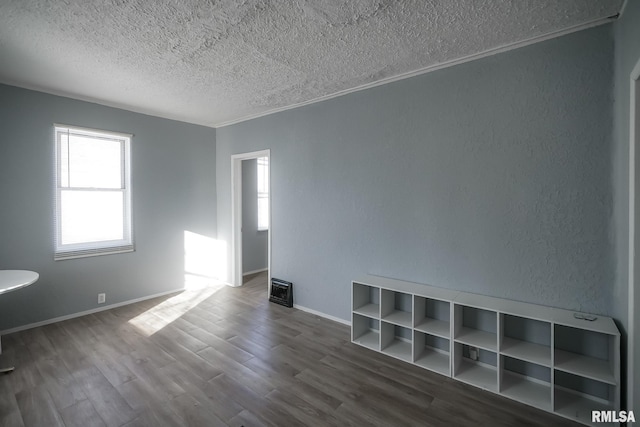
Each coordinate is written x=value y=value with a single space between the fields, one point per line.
x=263 y=193
x=263 y=174
x=93 y=162
x=91 y=216
x=64 y=160
x=263 y=213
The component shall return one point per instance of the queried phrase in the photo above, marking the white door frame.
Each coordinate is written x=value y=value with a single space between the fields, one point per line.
x=633 y=345
x=236 y=214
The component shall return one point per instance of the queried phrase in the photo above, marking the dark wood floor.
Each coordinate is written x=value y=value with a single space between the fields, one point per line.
x=227 y=357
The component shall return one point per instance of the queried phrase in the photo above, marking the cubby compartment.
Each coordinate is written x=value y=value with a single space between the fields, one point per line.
x=366 y=300
x=576 y=396
x=476 y=327
x=396 y=308
x=526 y=382
x=396 y=341
x=365 y=331
x=586 y=353
x=432 y=352
x=526 y=339
x=432 y=316
x=481 y=372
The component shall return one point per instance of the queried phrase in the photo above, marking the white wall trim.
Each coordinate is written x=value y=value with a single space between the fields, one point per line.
x=634 y=86
x=435 y=67
x=255 y=271
x=87 y=312
x=321 y=314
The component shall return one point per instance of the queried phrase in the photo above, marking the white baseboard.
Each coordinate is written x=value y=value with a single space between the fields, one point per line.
x=135 y=300
x=84 y=313
x=318 y=313
x=255 y=271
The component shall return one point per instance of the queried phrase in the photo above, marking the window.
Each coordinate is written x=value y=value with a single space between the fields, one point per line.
x=93 y=193
x=263 y=193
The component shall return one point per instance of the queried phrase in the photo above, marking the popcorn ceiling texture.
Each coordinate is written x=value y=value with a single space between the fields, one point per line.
x=213 y=62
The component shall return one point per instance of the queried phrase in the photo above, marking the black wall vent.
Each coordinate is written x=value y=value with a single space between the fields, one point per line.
x=281 y=292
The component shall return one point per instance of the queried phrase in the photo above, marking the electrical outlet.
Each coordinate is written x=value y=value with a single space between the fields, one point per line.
x=102 y=298
x=473 y=353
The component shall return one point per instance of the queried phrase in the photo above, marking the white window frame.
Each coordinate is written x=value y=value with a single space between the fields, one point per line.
x=262 y=164
x=92 y=248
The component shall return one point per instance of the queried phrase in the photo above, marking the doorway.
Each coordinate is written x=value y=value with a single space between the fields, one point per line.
x=255 y=215
x=248 y=236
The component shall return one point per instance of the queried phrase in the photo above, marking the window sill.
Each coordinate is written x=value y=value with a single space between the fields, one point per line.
x=85 y=254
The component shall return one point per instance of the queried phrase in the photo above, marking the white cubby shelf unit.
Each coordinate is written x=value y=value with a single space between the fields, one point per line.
x=541 y=356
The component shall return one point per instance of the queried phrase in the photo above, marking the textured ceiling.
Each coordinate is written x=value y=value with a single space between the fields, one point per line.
x=215 y=62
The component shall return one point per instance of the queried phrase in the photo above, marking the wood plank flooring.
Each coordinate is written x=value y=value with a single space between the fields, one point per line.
x=227 y=357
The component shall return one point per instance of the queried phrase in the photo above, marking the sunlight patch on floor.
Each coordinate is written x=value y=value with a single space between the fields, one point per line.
x=168 y=311
x=204 y=262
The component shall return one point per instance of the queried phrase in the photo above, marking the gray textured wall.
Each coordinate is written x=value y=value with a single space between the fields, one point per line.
x=627 y=54
x=254 y=242
x=174 y=189
x=493 y=177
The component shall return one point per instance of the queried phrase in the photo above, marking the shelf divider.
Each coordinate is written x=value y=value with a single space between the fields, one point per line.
x=434 y=327
x=584 y=366
x=529 y=352
x=370 y=339
x=397 y=317
x=527 y=391
x=577 y=406
x=478 y=375
x=477 y=338
x=369 y=310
